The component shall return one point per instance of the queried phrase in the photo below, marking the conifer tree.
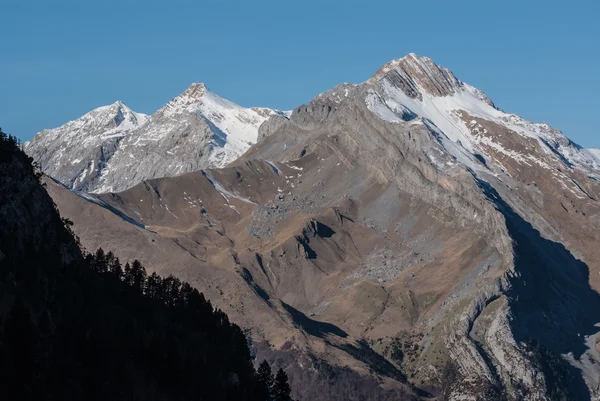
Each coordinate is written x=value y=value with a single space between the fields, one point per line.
x=127 y=273
x=99 y=263
x=152 y=284
x=265 y=379
x=138 y=275
x=281 y=387
x=114 y=265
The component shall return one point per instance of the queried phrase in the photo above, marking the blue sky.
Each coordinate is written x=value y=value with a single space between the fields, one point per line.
x=62 y=58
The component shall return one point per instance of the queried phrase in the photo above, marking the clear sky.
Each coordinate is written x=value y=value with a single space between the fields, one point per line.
x=62 y=58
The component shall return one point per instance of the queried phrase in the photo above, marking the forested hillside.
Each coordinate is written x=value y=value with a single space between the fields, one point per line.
x=76 y=326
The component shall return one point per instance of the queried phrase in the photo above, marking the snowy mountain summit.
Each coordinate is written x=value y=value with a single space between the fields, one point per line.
x=113 y=148
x=77 y=152
x=416 y=89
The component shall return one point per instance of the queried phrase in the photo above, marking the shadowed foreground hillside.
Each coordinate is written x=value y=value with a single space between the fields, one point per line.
x=75 y=326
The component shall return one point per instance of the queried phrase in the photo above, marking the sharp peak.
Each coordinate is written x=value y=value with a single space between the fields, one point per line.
x=120 y=105
x=196 y=93
x=410 y=57
x=414 y=73
x=196 y=90
x=110 y=108
x=415 y=56
x=198 y=85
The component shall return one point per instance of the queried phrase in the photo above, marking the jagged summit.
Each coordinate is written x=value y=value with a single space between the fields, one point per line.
x=413 y=74
x=110 y=119
x=196 y=90
x=111 y=116
x=76 y=152
x=197 y=86
x=198 y=98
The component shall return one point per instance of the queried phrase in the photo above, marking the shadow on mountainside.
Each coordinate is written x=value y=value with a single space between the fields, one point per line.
x=99 y=202
x=324 y=381
x=551 y=299
x=363 y=352
x=313 y=327
x=359 y=350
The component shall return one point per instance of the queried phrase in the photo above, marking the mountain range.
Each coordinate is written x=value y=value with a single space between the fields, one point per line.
x=113 y=148
x=395 y=239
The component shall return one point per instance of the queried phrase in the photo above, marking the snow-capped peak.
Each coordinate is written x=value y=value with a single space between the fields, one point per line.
x=194 y=98
x=75 y=152
x=111 y=118
x=125 y=118
x=236 y=126
x=414 y=86
x=196 y=89
x=416 y=74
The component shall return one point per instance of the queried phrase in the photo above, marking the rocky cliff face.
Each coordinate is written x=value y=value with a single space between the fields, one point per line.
x=113 y=148
x=403 y=227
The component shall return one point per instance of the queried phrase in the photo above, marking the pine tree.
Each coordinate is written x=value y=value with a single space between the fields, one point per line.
x=265 y=379
x=100 y=261
x=127 y=274
x=138 y=276
x=114 y=265
x=152 y=284
x=171 y=286
x=281 y=387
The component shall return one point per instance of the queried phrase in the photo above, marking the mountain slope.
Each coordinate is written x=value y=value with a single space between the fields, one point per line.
x=113 y=148
x=444 y=142
x=404 y=228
